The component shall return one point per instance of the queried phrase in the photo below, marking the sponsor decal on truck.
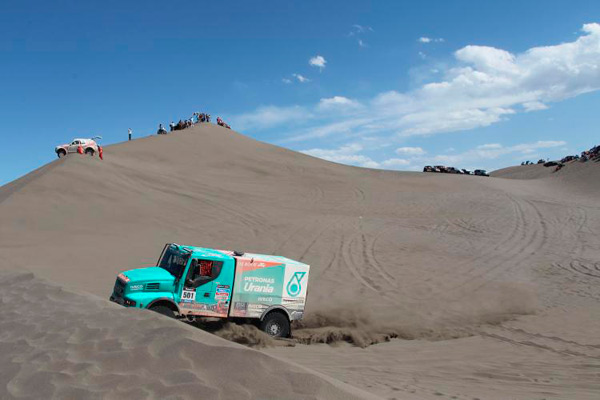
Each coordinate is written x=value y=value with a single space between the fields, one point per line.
x=294 y=286
x=266 y=283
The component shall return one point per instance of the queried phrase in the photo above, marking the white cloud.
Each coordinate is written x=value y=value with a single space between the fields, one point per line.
x=490 y=146
x=300 y=78
x=346 y=155
x=339 y=128
x=286 y=80
x=488 y=59
x=422 y=55
x=534 y=106
x=411 y=151
x=492 y=151
x=338 y=102
x=395 y=163
x=360 y=29
x=317 y=61
x=350 y=154
x=485 y=86
x=425 y=39
x=416 y=158
x=270 y=116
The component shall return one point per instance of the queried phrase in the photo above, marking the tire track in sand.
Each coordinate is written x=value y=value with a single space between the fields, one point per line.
x=578 y=267
x=372 y=254
x=511 y=241
x=532 y=243
x=528 y=341
x=347 y=255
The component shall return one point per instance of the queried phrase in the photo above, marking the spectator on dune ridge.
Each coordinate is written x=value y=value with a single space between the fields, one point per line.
x=222 y=123
x=591 y=154
x=587 y=155
x=203 y=117
x=196 y=117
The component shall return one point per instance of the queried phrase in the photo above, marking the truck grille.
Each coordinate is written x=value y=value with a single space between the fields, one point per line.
x=119 y=288
x=152 y=286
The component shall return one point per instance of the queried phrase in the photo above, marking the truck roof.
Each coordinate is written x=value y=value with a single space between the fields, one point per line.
x=206 y=252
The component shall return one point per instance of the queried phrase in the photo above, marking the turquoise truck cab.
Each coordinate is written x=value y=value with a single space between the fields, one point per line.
x=190 y=282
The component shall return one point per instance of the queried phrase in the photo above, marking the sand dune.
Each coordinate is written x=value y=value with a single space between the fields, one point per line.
x=56 y=344
x=493 y=280
x=580 y=177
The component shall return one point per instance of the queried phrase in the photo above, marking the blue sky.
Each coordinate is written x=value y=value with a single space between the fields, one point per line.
x=391 y=84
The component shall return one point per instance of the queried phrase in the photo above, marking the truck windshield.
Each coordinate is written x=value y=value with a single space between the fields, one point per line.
x=174 y=261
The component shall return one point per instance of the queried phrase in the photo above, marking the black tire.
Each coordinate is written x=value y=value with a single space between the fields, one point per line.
x=166 y=311
x=275 y=324
x=89 y=152
x=61 y=153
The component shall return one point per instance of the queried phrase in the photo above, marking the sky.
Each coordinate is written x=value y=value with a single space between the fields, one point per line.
x=379 y=84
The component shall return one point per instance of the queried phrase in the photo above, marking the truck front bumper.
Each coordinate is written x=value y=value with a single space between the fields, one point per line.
x=124 y=301
x=118 y=300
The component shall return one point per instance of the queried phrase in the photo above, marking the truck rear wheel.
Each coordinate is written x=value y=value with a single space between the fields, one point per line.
x=275 y=324
x=164 y=311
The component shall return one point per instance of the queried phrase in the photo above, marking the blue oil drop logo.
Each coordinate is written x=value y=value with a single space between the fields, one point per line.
x=294 y=286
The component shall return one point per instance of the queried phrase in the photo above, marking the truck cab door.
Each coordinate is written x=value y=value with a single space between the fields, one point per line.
x=199 y=295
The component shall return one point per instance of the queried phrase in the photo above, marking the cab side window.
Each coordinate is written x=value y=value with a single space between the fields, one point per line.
x=206 y=268
x=205 y=271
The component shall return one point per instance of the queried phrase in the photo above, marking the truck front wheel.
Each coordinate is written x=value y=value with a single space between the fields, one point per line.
x=163 y=310
x=275 y=324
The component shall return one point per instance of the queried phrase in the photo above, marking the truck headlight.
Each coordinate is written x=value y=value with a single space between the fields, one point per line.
x=128 y=302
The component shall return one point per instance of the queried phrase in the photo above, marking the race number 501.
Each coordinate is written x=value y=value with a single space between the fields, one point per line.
x=188 y=295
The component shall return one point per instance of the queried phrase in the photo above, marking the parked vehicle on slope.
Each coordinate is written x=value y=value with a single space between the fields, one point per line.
x=569 y=158
x=551 y=164
x=480 y=172
x=190 y=282
x=90 y=147
x=428 y=168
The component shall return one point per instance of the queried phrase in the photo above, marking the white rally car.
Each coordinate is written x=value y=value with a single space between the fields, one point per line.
x=90 y=147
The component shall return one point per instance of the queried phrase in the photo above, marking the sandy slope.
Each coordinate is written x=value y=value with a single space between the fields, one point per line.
x=55 y=344
x=409 y=255
x=575 y=177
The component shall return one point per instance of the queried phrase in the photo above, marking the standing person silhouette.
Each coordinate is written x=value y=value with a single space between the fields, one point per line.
x=129 y=131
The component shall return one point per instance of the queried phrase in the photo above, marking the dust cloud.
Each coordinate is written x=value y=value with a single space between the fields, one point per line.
x=436 y=319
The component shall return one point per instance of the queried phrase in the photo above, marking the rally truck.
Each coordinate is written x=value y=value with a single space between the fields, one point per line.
x=192 y=282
